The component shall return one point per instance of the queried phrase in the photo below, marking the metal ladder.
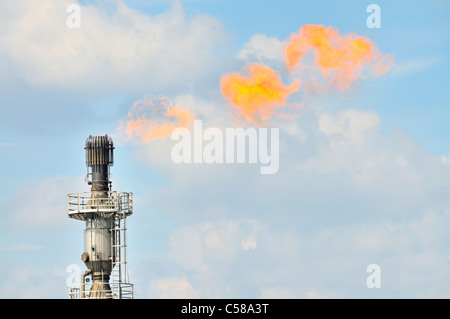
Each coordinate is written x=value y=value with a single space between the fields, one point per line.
x=118 y=249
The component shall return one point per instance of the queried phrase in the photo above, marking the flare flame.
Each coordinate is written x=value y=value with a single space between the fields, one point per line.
x=341 y=59
x=258 y=94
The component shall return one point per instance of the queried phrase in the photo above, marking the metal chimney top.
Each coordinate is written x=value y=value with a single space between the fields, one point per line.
x=99 y=150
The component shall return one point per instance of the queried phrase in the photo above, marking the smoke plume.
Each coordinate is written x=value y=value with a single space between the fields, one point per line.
x=153 y=118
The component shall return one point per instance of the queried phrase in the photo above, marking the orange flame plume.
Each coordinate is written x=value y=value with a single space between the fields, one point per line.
x=257 y=95
x=149 y=120
x=341 y=59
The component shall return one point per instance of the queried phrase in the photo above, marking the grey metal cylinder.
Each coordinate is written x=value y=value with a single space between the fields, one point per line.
x=97 y=245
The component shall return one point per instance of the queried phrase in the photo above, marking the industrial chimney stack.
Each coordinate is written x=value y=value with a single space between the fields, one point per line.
x=104 y=212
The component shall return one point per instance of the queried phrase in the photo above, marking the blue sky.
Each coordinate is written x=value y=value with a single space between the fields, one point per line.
x=363 y=179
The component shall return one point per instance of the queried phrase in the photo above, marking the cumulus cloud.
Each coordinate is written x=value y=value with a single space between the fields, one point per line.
x=262 y=47
x=328 y=263
x=25 y=282
x=43 y=205
x=411 y=253
x=351 y=124
x=276 y=293
x=114 y=48
x=202 y=247
x=346 y=195
x=313 y=294
x=172 y=288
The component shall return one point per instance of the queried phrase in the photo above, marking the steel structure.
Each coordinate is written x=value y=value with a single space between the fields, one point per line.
x=104 y=211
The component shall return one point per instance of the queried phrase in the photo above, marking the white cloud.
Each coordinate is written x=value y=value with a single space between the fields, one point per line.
x=203 y=247
x=249 y=243
x=414 y=66
x=172 y=288
x=346 y=196
x=351 y=124
x=445 y=159
x=261 y=47
x=43 y=205
x=276 y=293
x=211 y=112
x=390 y=166
x=121 y=48
x=313 y=294
x=31 y=282
x=343 y=157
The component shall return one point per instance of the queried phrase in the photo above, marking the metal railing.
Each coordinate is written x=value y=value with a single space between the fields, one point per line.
x=89 y=291
x=104 y=203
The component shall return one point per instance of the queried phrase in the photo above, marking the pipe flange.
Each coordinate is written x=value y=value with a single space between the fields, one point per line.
x=85 y=257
